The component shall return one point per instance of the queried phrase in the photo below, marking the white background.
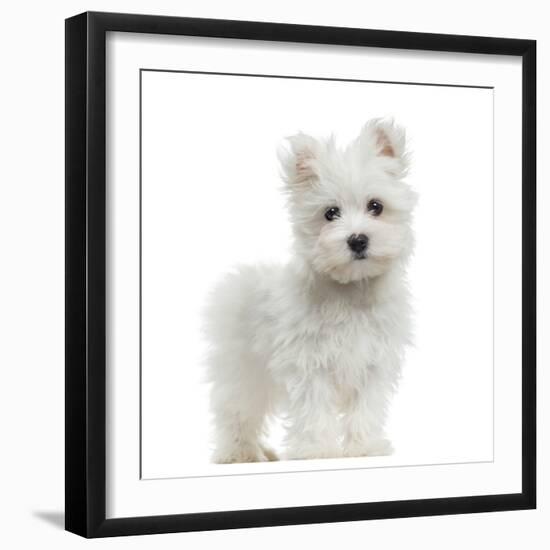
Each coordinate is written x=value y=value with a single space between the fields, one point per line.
x=31 y=295
x=212 y=199
x=127 y=496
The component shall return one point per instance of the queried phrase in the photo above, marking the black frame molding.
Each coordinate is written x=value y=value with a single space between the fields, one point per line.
x=85 y=450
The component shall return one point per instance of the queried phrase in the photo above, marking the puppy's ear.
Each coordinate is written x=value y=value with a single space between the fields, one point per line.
x=386 y=139
x=298 y=159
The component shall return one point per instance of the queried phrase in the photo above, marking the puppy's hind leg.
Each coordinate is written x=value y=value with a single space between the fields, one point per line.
x=240 y=402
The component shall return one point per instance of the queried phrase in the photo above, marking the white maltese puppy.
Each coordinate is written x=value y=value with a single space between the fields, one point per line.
x=319 y=341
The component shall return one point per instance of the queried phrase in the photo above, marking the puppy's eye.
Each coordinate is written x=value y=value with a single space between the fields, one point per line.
x=375 y=207
x=332 y=213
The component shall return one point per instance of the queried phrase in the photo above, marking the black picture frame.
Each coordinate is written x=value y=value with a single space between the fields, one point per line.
x=85 y=491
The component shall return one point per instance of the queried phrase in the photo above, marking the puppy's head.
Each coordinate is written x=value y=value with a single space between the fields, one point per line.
x=350 y=208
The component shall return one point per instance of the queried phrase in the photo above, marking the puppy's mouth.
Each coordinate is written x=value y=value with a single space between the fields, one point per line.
x=359 y=256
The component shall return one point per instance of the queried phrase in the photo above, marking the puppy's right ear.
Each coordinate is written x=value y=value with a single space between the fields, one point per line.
x=298 y=159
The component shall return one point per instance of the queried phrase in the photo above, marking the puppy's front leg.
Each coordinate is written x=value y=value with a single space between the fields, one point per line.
x=313 y=425
x=365 y=416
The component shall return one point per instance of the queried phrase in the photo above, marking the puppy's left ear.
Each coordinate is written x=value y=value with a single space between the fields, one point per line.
x=387 y=140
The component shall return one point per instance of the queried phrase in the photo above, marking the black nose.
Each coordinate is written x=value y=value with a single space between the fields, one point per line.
x=358 y=243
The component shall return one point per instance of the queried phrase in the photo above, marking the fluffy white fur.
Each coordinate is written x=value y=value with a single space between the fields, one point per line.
x=319 y=341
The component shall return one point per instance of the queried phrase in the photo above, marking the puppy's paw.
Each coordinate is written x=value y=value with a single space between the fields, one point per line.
x=269 y=453
x=378 y=446
x=244 y=453
x=311 y=452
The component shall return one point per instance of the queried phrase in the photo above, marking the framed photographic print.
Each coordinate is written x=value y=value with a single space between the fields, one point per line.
x=300 y=274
